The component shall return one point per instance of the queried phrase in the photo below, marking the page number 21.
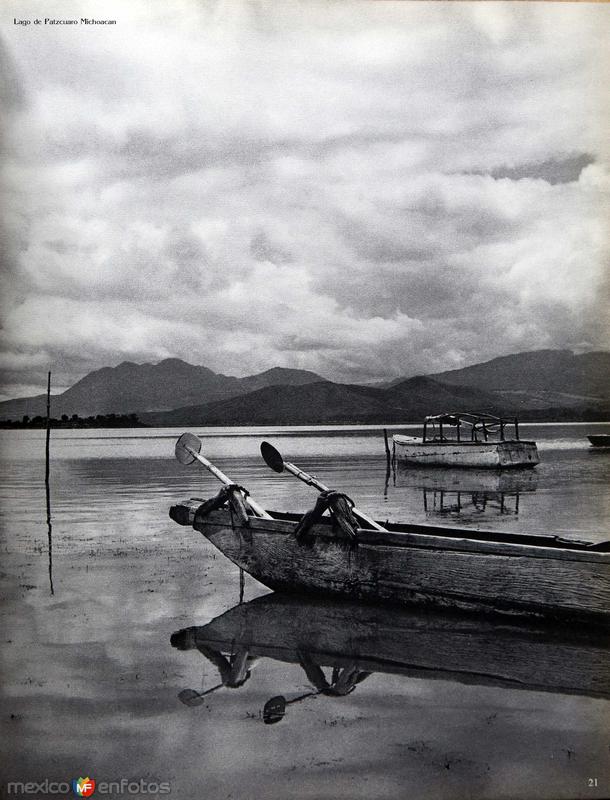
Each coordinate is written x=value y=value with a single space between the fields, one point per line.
x=591 y=782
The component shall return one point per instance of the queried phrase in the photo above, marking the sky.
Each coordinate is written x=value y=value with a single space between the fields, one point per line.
x=363 y=189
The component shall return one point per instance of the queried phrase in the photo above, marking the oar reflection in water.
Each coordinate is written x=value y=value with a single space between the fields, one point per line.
x=191 y=697
x=234 y=670
x=343 y=682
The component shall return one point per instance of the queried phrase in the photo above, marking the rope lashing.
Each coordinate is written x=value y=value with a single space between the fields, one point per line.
x=340 y=507
x=222 y=498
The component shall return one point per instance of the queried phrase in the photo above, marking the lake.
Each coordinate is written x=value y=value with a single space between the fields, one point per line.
x=94 y=685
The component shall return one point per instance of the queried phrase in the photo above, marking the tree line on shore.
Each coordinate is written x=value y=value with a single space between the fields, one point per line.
x=97 y=421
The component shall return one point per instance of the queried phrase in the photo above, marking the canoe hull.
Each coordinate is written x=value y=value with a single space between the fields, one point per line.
x=482 y=455
x=413 y=568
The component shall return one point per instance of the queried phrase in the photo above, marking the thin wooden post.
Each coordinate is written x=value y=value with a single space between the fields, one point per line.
x=47 y=484
x=387 y=475
x=46 y=476
x=387 y=445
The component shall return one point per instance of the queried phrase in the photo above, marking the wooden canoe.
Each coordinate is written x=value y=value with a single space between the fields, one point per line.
x=410 y=642
x=416 y=564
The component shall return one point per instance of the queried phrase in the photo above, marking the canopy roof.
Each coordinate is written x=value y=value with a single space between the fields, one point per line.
x=468 y=417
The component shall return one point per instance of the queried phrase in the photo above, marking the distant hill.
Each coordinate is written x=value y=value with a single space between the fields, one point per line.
x=544 y=384
x=329 y=403
x=138 y=388
x=539 y=379
x=433 y=396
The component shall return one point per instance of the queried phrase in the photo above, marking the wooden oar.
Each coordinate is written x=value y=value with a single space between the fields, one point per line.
x=190 y=697
x=188 y=449
x=275 y=708
x=273 y=458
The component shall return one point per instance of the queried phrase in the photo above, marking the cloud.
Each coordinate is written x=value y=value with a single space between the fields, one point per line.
x=361 y=189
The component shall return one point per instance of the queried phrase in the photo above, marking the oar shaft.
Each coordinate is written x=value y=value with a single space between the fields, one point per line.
x=303 y=697
x=305 y=477
x=311 y=481
x=224 y=479
x=208 y=465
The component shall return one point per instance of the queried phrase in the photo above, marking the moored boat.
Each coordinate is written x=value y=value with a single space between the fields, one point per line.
x=348 y=554
x=405 y=564
x=467 y=440
x=600 y=440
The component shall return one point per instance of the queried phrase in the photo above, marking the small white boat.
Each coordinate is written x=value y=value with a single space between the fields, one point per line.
x=600 y=440
x=466 y=440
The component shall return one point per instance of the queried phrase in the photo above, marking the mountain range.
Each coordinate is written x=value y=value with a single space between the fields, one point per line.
x=543 y=384
x=140 y=388
x=327 y=402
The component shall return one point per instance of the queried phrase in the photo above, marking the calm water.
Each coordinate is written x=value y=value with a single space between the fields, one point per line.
x=92 y=684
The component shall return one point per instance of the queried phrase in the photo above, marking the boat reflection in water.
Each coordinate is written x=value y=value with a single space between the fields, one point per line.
x=453 y=492
x=339 y=645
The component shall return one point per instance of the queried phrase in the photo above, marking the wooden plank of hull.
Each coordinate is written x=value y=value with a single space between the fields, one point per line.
x=415 y=644
x=471 y=575
x=486 y=455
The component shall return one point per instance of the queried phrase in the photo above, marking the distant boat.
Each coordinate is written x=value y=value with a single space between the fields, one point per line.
x=467 y=440
x=600 y=440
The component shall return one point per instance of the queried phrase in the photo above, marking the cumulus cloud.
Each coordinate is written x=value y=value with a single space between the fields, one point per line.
x=362 y=189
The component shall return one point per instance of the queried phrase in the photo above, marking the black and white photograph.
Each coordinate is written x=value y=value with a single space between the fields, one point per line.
x=305 y=399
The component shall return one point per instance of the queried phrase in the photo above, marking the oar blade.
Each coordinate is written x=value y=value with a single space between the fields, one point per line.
x=189 y=697
x=186 y=443
x=274 y=710
x=273 y=457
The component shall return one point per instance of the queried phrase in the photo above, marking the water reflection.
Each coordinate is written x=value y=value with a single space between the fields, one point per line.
x=234 y=668
x=475 y=492
x=338 y=645
x=341 y=682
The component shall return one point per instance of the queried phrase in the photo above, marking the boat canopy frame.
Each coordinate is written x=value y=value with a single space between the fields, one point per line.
x=479 y=424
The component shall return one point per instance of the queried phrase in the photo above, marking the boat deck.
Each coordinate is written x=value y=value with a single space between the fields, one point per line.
x=540 y=540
